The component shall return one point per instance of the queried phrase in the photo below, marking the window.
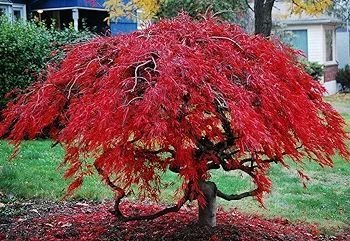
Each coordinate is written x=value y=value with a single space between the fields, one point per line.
x=13 y=11
x=18 y=12
x=329 y=44
x=299 y=40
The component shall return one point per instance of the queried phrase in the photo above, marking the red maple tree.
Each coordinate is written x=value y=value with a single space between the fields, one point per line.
x=184 y=95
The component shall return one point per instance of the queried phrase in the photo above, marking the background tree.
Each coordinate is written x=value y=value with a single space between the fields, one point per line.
x=262 y=9
x=229 y=10
x=340 y=9
x=185 y=96
x=263 y=12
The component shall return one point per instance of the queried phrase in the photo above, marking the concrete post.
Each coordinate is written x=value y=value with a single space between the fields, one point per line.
x=75 y=15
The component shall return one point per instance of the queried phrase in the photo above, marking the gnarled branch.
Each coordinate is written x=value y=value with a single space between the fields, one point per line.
x=213 y=165
x=235 y=196
x=120 y=194
x=158 y=214
x=246 y=160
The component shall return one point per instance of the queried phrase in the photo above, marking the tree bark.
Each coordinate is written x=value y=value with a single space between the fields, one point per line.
x=207 y=214
x=263 y=16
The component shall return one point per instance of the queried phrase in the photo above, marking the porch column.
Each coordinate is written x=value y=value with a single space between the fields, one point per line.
x=75 y=15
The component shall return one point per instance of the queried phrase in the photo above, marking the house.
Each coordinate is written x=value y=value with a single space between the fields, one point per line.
x=343 y=46
x=15 y=9
x=315 y=36
x=90 y=13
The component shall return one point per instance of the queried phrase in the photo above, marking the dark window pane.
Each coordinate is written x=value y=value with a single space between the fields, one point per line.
x=329 y=45
x=17 y=14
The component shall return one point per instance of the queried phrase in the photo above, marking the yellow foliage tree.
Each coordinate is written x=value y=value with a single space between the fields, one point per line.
x=311 y=7
x=119 y=8
x=262 y=10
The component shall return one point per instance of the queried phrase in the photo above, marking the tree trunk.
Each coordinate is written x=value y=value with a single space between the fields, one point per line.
x=207 y=214
x=263 y=16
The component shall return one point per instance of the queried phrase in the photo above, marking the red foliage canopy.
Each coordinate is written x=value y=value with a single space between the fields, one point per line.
x=182 y=94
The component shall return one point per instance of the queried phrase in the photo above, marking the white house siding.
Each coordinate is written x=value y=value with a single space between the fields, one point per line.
x=315 y=44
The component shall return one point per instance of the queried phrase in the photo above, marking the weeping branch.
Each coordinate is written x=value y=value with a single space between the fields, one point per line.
x=252 y=160
x=235 y=196
x=158 y=214
x=212 y=165
x=120 y=194
x=275 y=159
x=228 y=39
x=174 y=168
x=226 y=125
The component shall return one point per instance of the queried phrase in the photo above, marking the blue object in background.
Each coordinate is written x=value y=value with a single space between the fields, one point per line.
x=52 y=4
x=123 y=25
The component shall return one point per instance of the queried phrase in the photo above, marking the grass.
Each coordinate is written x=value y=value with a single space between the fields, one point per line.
x=346 y=117
x=34 y=173
x=342 y=99
x=325 y=201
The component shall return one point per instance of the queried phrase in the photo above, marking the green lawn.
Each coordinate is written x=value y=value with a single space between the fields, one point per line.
x=325 y=201
x=342 y=99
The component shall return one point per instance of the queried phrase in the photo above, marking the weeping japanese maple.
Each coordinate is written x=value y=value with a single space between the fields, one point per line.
x=184 y=95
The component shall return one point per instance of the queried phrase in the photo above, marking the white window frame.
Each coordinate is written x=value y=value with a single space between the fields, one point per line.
x=21 y=8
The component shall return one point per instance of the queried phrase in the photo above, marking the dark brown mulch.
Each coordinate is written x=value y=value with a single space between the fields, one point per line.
x=43 y=220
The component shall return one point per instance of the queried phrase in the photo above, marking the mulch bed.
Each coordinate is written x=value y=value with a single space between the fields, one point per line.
x=43 y=220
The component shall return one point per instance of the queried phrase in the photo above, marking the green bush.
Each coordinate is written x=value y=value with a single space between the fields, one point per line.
x=26 y=47
x=24 y=50
x=343 y=78
x=313 y=68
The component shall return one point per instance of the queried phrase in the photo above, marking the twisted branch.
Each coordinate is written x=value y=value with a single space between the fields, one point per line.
x=235 y=196
x=120 y=194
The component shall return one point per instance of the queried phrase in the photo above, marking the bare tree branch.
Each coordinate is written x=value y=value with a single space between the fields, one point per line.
x=235 y=196
x=174 y=168
x=162 y=212
x=228 y=39
x=120 y=194
x=248 y=5
x=275 y=159
x=212 y=165
x=246 y=160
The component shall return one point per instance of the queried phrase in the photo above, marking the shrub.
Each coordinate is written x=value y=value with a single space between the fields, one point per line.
x=26 y=47
x=313 y=68
x=343 y=78
x=24 y=50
